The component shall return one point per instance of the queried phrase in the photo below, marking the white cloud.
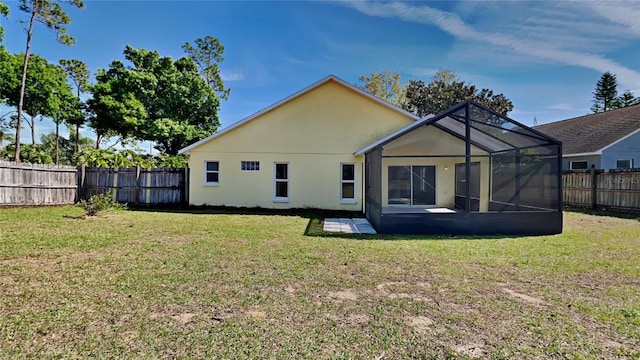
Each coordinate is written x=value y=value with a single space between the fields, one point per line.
x=232 y=75
x=561 y=106
x=424 y=73
x=567 y=33
x=625 y=13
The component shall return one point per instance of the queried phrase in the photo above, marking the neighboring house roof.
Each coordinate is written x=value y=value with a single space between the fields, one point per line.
x=294 y=96
x=590 y=134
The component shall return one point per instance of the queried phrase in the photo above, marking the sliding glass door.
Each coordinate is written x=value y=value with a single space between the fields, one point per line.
x=411 y=185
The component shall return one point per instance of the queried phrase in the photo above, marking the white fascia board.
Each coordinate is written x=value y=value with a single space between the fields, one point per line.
x=597 y=153
x=291 y=97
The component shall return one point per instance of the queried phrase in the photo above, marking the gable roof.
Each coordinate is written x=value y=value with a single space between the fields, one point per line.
x=329 y=78
x=590 y=134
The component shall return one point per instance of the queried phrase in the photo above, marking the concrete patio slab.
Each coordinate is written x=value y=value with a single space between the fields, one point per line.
x=348 y=226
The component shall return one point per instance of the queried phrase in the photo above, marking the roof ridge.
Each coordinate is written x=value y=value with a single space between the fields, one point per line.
x=296 y=95
x=589 y=115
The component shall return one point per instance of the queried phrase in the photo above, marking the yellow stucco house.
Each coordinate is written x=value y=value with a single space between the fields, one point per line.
x=333 y=146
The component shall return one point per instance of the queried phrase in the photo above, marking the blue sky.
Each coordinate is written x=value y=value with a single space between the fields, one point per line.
x=545 y=56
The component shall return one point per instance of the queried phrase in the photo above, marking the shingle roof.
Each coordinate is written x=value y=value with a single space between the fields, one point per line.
x=594 y=132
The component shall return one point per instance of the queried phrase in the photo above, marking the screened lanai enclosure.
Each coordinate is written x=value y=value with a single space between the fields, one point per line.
x=467 y=170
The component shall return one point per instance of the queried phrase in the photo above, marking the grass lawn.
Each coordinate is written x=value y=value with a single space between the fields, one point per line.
x=145 y=284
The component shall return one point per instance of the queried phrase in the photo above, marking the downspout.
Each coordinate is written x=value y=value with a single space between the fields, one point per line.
x=363 y=187
x=468 y=158
x=560 y=178
x=517 y=182
x=380 y=180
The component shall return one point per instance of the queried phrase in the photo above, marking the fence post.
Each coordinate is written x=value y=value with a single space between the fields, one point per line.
x=185 y=186
x=594 y=187
x=138 y=187
x=147 y=190
x=114 y=186
x=80 y=183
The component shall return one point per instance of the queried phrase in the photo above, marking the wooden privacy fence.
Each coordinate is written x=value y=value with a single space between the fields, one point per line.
x=36 y=184
x=33 y=184
x=597 y=188
x=135 y=186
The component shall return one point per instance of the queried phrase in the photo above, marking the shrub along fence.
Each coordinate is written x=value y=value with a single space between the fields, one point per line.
x=615 y=189
x=34 y=184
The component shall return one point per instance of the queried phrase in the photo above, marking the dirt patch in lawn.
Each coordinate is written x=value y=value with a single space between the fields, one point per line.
x=30 y=261
x=343 y=295
x=420 y=324
x=404 y=290
x=472 y=350
x=184 y=318
x=257 y=314
x=524 y=297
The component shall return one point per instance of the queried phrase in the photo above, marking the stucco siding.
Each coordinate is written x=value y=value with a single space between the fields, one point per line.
x=314 y=133
x=429 y=140
x=628 y=148
x=314 y=181
x=330 y=119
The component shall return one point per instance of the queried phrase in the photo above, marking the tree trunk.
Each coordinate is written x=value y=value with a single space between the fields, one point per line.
x=57 y=143
x=33 y=130
x=76 y=148
x=23 y=85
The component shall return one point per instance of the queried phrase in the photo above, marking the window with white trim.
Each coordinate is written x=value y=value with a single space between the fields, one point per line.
x=624 y=164
x=281 y=182
x=348 y=183
x=578 y=165
x=211 y=172
x=250 y=165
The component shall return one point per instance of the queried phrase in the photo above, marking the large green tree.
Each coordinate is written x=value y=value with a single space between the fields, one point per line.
x=156 y=98
x=207 y=54
x=50 y=14
x=61 y=148
x=68 y=112
x=627 y=99
x=605 y=96
x=78 y=73
x=46 y=92
x=445 y=91
x=4 y=12
x=385 y=85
